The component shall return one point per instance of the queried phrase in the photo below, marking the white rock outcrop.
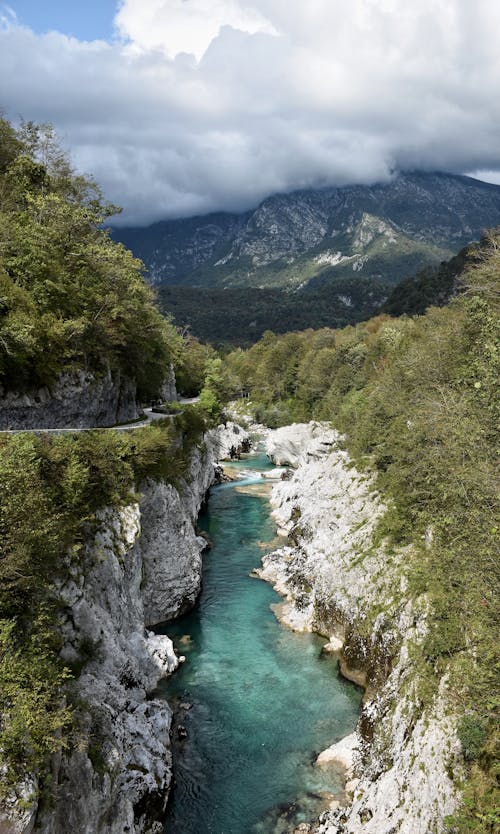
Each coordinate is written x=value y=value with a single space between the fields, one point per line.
x=230 y=436
x=342 y=752
x=122 y=772
x=331 y=577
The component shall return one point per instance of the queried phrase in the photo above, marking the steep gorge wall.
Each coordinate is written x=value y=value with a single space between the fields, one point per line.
x=337 y=583
x=140 y=565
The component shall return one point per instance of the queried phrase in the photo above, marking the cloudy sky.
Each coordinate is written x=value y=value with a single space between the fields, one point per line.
x=180 y=107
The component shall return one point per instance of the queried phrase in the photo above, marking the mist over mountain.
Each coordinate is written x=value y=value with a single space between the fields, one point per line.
x=384 y=232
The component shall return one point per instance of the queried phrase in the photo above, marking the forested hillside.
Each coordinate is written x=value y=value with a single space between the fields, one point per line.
x=69 y=296
x=239 y=317
x=432 y=286
x=418 y=402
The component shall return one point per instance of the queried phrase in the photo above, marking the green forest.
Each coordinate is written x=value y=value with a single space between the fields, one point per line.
x=70 y=297
x=239 y=317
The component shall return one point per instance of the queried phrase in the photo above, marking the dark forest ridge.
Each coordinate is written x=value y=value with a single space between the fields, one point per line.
x=386 y=232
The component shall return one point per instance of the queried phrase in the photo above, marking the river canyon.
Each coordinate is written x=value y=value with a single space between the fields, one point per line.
x=255 y=702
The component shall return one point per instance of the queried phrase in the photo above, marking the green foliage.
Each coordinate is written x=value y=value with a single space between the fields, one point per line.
x=69 y=296
x=419 y=403
x=192 y=365
x=473 y=734
x=34 y=714
x=216 y=390
x=154 y=452
x=170 y=407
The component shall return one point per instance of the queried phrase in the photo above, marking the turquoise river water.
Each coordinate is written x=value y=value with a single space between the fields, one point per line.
x=256 y=700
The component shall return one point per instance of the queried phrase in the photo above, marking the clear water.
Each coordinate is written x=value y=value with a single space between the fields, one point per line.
x=264 y=699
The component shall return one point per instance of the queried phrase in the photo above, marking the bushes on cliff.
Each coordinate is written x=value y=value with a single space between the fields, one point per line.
x=69 y=295
x=34 y=716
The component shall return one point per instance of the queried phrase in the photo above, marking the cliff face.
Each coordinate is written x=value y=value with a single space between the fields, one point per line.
x=78 y=399
x=139 y=565
x=168 y=391
x=124 y=768
x=336 y=582
x=171 y=585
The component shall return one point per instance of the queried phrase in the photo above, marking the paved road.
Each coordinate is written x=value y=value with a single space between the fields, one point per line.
x=150 y=417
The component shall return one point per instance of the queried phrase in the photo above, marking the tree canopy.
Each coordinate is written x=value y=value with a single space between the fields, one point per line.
x=70 y=297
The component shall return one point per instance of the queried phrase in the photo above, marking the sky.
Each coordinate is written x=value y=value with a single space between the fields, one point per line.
x=89 y=20
x=182 y=107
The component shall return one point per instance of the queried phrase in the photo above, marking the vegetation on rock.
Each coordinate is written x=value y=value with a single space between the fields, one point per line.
x=52 y=488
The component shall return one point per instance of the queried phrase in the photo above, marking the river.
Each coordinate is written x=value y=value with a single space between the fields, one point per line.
x=256 y=700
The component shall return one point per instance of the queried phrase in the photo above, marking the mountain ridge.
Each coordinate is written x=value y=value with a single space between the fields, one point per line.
x=386 y=231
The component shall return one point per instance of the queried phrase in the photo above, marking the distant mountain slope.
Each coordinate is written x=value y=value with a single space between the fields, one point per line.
x=384 y=232
x=241 y=315
x=435 y=286
x=432 y=286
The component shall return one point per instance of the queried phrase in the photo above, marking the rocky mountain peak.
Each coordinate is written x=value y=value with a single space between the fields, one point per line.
x=386 y=231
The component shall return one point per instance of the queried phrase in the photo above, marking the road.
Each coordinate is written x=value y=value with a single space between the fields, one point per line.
x=150 y=417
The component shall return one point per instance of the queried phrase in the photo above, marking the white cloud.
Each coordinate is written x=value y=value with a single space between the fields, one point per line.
x=486 y=176
x=213 y=104
x=177 y=26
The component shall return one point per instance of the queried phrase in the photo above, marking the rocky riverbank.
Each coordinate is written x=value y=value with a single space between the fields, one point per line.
x=139 y=565
x=337 y=582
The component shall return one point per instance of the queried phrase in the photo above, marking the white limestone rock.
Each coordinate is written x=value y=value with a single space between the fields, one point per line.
x=334 y=645
x=228 y=436
x=342 y=753
x=330 y=575
x=19 y=807
x=289 y=444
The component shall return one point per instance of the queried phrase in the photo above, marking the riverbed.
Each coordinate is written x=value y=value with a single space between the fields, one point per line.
x=254 y=702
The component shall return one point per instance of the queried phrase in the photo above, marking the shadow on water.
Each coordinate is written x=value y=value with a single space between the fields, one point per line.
x=253 y=702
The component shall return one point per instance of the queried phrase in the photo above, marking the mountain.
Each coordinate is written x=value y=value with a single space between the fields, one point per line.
x=385 y=232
